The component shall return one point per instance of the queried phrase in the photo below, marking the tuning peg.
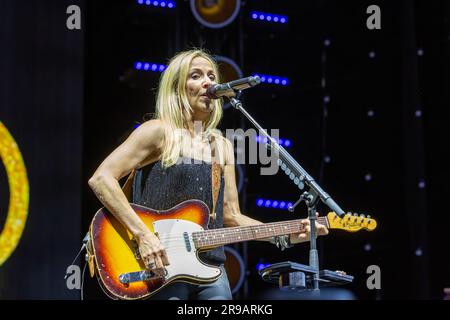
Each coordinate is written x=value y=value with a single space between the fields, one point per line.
x=362 y=216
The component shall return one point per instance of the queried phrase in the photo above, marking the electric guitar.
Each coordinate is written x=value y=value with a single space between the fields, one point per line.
x=183 y=232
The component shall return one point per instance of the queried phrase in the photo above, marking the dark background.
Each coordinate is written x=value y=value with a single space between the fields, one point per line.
x=70 y=97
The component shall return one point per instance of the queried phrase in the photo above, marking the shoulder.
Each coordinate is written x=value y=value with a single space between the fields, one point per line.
x=151 y=132
x=152 y=128
x=155 y=126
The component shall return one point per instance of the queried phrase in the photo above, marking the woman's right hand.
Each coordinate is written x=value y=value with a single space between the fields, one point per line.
x=152 y=252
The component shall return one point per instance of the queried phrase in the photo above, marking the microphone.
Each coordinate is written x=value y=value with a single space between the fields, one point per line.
x=229 y=89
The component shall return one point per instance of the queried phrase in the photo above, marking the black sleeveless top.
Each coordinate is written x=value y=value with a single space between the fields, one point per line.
x=162 y=189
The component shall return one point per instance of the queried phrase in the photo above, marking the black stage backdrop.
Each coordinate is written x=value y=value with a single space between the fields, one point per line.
x=41 y=99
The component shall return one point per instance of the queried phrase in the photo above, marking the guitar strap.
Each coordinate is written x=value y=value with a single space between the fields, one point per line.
x=215 y=175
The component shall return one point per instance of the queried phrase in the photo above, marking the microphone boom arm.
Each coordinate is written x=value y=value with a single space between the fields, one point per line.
x=285 y=158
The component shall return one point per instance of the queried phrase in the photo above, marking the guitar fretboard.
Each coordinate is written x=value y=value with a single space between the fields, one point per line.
x=220 y=237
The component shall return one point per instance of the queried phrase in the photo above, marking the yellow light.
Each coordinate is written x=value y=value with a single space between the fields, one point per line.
x=19 y=194
x=215 y=13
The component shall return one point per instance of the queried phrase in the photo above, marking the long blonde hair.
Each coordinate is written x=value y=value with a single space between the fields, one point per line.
x=172 y=102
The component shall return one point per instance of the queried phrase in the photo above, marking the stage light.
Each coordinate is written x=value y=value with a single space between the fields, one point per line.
x=229 y=71
x=162 y=4
x=268 y=17
x=282 y=142
x=19 y=194
x=370 y=113
x=372 y=54
x=418 y=113
x=422 y=184
x=260 y=266
x=368 y=177
x=274 y=204
x=146 y=66
x=272 y=79
x=215 y=13
x=235 y=268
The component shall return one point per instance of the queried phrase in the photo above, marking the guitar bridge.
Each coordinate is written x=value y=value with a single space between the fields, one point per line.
x=138 y=276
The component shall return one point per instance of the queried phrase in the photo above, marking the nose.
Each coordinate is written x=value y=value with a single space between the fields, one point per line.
x=207 y=83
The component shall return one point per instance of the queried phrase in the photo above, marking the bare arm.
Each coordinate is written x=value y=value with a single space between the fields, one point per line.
x=142 y=146
x=232 y=216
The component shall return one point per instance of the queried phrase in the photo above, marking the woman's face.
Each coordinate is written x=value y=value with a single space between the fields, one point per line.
x=201 y=75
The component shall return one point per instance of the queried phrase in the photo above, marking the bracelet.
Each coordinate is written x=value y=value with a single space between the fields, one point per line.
x=282 y=242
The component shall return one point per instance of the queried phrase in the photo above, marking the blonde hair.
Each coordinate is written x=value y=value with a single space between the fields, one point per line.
x=172 y=103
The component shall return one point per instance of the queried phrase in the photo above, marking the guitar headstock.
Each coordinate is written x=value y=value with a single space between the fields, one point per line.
x=351 y=222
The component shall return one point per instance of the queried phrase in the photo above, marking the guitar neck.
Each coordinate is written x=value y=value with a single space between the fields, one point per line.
x=219 y=237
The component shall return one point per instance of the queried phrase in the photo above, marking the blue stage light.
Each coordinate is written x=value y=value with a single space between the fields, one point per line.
x=162 y=4
x=274 y=204
x=268 y=17
x=272 y=79
x=260 y=266
x=148 y=66
x=282 y=142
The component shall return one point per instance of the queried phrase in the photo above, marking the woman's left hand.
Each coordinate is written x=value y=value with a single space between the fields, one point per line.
x=321 y=230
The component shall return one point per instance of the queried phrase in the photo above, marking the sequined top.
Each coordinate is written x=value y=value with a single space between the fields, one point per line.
x=162 y=189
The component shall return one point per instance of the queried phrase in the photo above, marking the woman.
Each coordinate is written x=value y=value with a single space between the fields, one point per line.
x=162 y=150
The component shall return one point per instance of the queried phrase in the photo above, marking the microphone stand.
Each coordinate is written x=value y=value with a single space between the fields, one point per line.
x=311 y=197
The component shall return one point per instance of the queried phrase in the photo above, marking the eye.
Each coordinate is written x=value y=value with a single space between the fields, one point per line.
x=195 y=76
x=212 y=77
